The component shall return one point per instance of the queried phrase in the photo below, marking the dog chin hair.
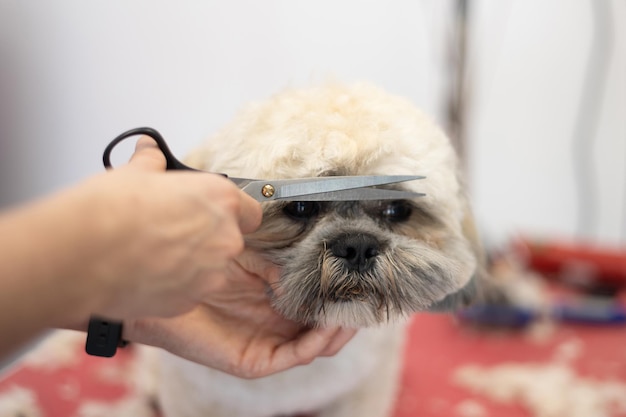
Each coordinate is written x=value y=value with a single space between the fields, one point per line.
x=354 y=314
x=409 y=276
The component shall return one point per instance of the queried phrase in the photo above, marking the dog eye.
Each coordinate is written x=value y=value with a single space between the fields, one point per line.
x=302 y=209
x=397 y=211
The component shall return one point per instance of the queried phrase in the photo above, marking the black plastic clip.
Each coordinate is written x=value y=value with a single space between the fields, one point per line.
x=104 y=337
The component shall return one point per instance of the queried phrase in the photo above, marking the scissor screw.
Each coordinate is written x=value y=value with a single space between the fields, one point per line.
x=268 y=190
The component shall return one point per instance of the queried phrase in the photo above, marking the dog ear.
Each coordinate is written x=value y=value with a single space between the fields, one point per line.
x=481 y=288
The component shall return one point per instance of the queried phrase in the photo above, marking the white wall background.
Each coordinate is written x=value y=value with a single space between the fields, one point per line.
x=74 y=74
x=529 y=63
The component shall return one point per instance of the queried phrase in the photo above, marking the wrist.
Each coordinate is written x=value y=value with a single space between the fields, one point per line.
x=104 y=233
x=50 y=260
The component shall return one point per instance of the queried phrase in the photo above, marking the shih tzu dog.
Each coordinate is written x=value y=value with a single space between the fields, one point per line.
x=365 y=264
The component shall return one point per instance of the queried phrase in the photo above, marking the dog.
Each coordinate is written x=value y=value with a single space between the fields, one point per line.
x=358 y=264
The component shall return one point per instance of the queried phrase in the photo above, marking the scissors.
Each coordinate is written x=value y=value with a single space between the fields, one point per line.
x=337 y=188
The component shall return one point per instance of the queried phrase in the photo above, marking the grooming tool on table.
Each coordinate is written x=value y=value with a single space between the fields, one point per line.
x=581 y=264
x=348 y=188
x=581 y=310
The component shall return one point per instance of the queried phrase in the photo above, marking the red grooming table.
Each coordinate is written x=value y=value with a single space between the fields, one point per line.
x=437 y=347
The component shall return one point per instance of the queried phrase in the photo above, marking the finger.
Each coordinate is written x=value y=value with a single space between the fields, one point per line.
x=338 y=341
x=147 y=156
x=304 y=349
x=250 y=214
x=245 y=209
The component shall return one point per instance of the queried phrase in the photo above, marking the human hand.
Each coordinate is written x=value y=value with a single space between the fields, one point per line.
x=236 y=330
x=168 y=237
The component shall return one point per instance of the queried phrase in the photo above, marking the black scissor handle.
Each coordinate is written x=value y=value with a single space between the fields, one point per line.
x=172 y=162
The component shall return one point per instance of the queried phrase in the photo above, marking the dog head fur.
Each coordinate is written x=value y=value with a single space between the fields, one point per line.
x=426 y=261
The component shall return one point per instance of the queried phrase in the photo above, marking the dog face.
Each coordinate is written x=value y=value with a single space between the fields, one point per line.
x=354 y=263
x=360 y=263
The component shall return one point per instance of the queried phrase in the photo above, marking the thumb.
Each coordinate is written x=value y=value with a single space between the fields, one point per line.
x=147 y=156
x=254 y=263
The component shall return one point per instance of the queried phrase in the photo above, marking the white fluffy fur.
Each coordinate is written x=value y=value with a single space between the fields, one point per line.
x=361 y=380
x=349 y=130
x=293 y=134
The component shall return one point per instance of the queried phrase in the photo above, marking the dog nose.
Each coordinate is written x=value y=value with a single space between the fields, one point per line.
x=356 y=249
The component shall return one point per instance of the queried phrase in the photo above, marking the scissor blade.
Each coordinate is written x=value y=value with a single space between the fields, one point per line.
x=296 y=189
x=358 y=194
x=305 y=186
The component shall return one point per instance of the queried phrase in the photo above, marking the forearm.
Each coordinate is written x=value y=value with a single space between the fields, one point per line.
x=45 y=252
